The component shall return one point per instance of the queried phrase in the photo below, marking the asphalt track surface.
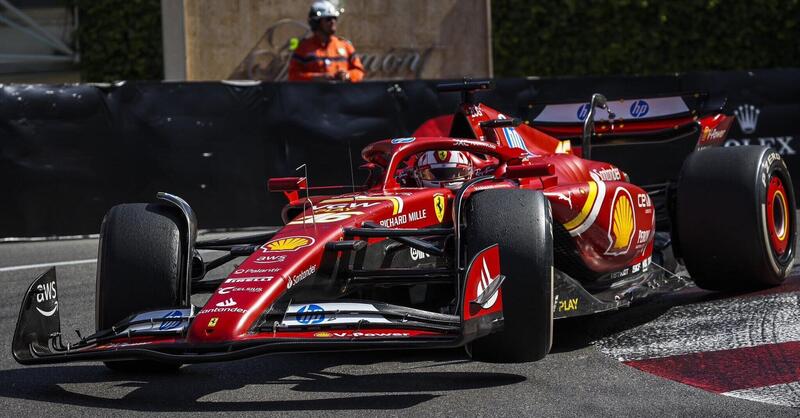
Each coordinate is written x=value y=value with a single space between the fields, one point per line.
x=628 y=363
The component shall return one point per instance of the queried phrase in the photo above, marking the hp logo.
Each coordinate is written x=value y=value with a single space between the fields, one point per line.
x=639 y=108
x=310 y=314
x=583 y=110
x=170 y=324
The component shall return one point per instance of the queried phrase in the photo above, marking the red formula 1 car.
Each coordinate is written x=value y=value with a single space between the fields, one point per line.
x=479 y=239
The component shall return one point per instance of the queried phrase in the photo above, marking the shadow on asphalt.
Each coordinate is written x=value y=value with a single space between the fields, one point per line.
x=306 y=381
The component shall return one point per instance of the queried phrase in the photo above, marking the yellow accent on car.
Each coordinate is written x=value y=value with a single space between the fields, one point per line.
x=288 y=244
x=587 y=207
x=623 y=223
x=397 y=202
x=564 y=147
x=438 y=206
x=785 y=216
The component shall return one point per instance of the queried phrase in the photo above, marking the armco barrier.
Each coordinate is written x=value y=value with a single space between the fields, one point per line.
x=70 y=152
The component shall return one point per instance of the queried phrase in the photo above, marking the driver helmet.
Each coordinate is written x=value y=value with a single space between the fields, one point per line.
x=443 y=169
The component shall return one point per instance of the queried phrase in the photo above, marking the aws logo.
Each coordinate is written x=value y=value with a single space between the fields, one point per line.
x=622 y=223
x=288 y=244
x=46 y=297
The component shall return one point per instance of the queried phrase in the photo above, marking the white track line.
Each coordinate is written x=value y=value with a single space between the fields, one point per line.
x=36 y=266
x=787 y=394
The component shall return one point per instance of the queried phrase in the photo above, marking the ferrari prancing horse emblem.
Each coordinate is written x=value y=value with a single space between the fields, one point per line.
x=438 y=206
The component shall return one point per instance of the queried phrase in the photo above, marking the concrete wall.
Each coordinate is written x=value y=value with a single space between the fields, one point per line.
x=399 y=39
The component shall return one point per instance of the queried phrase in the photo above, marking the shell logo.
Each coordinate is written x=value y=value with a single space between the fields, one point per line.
x=622 y=223
x=288 y=244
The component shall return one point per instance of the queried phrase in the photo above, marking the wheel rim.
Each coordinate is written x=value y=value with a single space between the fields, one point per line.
x=777 y=216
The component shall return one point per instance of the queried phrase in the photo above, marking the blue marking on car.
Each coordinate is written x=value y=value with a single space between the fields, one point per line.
x=167 y=325
x=310 y=314
x=639 y=108
x=583 y=110
x=514 y=139
x=403 y=140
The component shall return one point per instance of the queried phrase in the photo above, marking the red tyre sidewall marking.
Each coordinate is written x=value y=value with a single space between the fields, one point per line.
x=776 y=195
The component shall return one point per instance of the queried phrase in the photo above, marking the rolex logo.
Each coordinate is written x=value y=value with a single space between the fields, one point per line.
x=747 y=116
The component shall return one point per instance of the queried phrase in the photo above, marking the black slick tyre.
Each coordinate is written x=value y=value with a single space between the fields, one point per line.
x=735 y=215
x=139 y=266
x=519 y=221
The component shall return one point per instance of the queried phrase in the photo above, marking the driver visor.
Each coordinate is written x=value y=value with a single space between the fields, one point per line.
x=444 y=173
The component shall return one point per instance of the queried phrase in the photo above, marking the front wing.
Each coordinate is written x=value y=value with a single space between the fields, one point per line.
x=162 y=335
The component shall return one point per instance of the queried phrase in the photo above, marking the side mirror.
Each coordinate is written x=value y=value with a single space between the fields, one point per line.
x=530 y=170
x=598 y=100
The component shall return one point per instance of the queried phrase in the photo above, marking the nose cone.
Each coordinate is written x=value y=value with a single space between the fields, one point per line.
x=236 y=306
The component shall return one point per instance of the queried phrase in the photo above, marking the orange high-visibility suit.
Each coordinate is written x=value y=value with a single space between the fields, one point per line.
x=313 y=60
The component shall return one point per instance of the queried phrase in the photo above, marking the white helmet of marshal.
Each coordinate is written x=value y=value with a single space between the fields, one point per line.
x=443 y=169
x=323 y=8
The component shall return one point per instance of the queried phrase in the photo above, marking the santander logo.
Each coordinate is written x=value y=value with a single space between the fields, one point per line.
x=227 y=303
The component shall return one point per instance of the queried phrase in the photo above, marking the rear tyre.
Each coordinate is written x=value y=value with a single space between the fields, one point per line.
x=139 y=266
x=735 y=214
x=521 y=223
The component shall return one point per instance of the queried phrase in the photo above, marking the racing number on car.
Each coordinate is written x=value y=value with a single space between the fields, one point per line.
x=324 y=218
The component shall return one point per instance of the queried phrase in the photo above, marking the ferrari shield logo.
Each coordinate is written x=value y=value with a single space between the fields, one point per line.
x=213 y=322
x=438 y=206
x=442 y=155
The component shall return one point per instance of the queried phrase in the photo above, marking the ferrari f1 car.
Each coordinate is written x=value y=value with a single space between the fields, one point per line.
x=531 y=233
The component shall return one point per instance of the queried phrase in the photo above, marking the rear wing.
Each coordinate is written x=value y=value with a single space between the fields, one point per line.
x=630 y=115
x=649 y=138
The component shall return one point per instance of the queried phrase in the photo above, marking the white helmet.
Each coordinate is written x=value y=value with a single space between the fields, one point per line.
x=443 y=169
x=320 y=9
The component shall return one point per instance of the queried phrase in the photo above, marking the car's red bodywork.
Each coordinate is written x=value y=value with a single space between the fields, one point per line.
x=610 y=221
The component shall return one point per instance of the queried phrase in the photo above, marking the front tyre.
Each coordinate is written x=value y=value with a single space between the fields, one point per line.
x=521 y=223
x=139 y=268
